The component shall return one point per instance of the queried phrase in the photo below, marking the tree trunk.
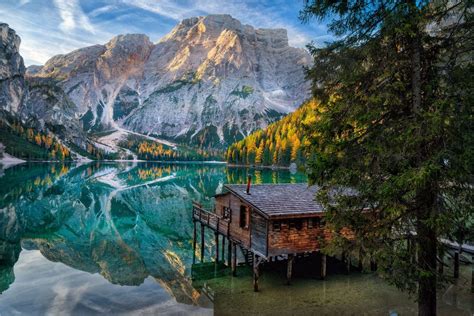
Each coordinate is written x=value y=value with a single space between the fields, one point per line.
x=427 y=244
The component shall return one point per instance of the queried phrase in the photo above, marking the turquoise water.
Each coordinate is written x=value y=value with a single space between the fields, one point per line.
x=117 y=238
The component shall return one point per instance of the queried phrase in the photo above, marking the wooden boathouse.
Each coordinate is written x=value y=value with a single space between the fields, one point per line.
x=267 y=222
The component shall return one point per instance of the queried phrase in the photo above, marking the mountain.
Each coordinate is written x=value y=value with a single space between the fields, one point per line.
x=21 y=133
x=12 y=70
x=209 y=82
x=281 y=143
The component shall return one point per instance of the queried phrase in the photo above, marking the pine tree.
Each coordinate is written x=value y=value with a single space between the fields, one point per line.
x=395 y=123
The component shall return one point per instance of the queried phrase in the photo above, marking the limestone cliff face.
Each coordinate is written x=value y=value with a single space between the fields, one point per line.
x=12 y=70
x=210 y=81
x=92 y=77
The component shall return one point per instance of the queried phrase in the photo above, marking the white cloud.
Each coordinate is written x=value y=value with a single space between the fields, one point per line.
x=23 y=2
x=102 y=10
x=169 y=9
x=64 y=26
x=72 y=16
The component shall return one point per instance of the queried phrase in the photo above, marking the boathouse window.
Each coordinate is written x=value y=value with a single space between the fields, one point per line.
x=244 y=212
x=277 y=226
x=317 y=222
x=310 y=223
x=296 y=224
x=299 y=224
x=226 y=213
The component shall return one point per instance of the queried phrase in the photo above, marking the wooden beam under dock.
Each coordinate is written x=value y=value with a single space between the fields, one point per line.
x=456 y=265
x=234 y=259
x=194 y=241
x=256 y=272
x=202 y=243
x=289 y=268
x=217 y=246
x=229 y=252
x=323 y=266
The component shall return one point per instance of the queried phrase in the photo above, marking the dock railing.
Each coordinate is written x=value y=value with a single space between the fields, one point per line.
x=210 y=219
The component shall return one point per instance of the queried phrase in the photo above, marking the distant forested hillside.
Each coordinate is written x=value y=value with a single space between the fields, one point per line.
x=281 y=143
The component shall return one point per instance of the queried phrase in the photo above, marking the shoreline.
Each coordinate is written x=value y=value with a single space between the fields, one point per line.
x=117 y=160
x=17 y=161
x=273 y=167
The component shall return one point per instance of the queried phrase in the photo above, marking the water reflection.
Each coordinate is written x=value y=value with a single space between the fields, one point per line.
x=125 y=222
x=117 y=238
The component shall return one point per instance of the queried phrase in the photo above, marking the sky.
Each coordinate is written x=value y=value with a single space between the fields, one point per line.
x=51 y=27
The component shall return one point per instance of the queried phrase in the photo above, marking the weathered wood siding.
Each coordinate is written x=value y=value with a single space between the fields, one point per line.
x=258 y=227
x=221 y=202
x=293 y=240
x=235 y=231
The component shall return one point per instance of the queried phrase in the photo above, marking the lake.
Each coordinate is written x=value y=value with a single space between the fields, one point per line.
x=116 y=238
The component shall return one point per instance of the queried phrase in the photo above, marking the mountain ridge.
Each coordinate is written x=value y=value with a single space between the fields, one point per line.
x=189 y=81
x=209 y=82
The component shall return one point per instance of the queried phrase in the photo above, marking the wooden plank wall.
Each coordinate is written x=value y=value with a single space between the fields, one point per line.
x=258 y=227
x=236 y=233
x=287 y=241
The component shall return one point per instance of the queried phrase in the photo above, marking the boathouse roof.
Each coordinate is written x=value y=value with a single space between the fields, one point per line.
x=280 y=200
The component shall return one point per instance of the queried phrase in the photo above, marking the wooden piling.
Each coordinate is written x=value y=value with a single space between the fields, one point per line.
x=456 y=265
x=229 y=252
x=441 y=260
x=194 y=242
x=472 y=275
x=348 y=264
x=373 y=265
x=410 y=249
x=361 y=260
x=323 y=266
x=255 y=273
x=289 y=268
x=202 y=243
x=223 y=249
x=234 y=259
x=216 y=235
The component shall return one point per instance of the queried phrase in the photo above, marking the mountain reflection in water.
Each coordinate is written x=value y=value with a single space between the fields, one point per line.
x=129 y=223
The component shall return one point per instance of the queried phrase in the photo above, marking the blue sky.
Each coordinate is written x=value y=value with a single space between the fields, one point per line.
x=50 y=27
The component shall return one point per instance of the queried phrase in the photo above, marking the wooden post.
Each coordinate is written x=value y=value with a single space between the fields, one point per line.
x=202 y=243
x=410 y=249
x=229 y=252
x=194 y=242
x=441 y=260
x=223 y=249
x=361 y=260
x=234 y=259
x=456 y=265
x=472 y=275
x=255 y=273
x=373 y=265
x=345 y=261
x=217 y=246
x=348 y=264
x=323 y=266
x=289 y=268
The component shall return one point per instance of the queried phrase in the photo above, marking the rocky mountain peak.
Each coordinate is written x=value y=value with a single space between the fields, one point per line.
x=12 y=70
x=210 y=81
x=203 y=27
